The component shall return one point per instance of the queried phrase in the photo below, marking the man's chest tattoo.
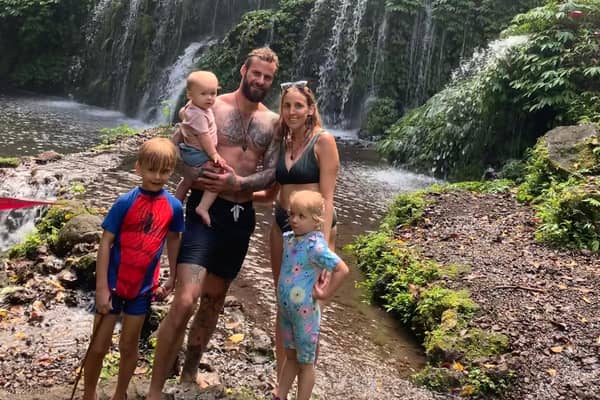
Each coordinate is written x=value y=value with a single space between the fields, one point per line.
x=257 y=135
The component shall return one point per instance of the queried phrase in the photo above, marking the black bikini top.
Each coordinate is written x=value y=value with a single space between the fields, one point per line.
x=304 y=170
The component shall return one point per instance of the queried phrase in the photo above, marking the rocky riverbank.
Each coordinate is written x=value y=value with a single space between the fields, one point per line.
x=44 y=327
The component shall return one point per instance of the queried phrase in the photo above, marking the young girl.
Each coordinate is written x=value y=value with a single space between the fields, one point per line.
x=305 y=254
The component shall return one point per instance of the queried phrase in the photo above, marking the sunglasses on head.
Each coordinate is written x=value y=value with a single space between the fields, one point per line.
x=297 y=84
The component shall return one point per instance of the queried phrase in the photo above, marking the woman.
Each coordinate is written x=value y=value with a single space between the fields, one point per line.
x=308 y=160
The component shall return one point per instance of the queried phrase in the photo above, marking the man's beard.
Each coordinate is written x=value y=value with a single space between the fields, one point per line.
x=254 y=94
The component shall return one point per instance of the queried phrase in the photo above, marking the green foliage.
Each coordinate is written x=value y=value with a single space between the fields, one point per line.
x=46 y=230
x=110 y=365
x=382 y=114
x=413 y=290
x=406 y=209
x=493 y=186
x=541 y=174
x=111 y=135
x=514 y=170
x=570 y=214
x=9 y=162
x=287 y=25
x=435 y=300
x=27 y=248
x=38 y=38
x=497 y=113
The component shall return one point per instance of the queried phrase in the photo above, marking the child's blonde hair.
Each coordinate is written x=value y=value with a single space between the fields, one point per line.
x=204 y=79
x=310 y=201
x=157 y=154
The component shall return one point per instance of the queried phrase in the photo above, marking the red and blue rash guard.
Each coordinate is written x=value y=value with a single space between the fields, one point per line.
x=140 y=221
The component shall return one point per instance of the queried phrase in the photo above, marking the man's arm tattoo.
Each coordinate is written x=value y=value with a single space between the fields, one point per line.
x=265 y=178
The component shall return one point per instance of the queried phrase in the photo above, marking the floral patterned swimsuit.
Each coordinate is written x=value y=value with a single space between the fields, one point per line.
x=299 y=314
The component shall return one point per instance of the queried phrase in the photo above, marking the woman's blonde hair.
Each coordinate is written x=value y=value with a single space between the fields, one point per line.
x=312 y=121
x=157 y=154
x=311 y=202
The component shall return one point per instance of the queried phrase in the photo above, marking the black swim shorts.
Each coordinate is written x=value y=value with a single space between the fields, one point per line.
x=220 y=248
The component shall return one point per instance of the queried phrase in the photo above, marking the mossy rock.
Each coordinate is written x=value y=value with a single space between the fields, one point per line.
x=571 y=148
x=83 y=228
x=9 y=162
x=461 y=343
x=85 y=268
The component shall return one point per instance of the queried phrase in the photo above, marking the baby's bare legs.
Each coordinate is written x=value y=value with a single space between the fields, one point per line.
x=202 y=210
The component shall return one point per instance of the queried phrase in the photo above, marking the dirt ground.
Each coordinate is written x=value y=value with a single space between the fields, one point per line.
x=546 y=301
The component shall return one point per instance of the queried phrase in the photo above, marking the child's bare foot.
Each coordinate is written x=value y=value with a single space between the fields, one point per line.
x=203 y=213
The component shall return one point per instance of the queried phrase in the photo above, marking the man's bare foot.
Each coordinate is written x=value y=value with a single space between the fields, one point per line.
x=204 y=215
x=197 y=380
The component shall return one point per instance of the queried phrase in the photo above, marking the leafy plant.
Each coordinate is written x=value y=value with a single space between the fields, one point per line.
x=495 y=114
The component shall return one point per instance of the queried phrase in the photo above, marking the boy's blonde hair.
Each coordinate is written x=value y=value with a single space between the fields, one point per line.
x=311 y=202
x=202 y=78
x=157 y=154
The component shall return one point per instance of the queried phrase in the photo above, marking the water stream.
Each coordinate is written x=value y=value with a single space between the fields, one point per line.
x=365 y=187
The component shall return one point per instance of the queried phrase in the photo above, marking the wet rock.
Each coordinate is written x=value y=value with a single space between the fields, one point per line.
x=47 y=156
x=260 y=342
x=233 y=302
x=67 y=278
x=570 y=148
x=83 y=228
x=16 y=295
x=85 y=268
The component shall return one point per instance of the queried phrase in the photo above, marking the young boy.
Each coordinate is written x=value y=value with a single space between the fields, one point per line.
x=127 y=267
x=197 y=134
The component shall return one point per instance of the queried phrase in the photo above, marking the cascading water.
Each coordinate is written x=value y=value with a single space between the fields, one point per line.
x=123 y=59
x=303 y=50
x=420 y=55
x=481 y=58
x=336 y=73
x=165 y=102
x=16 y=223
x=378 y=56
x=130 y=45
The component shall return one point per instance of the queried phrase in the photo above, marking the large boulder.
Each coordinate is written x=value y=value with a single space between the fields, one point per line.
x=571 y=148
x=83 y=228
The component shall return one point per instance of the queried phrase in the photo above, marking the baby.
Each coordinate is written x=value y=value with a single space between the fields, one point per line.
x=196 y=135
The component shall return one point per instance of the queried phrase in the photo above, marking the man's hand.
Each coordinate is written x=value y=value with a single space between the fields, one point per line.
x=103 y=303
x=218 y=180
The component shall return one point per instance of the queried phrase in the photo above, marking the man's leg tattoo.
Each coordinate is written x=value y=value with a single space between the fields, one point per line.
x=203 y=326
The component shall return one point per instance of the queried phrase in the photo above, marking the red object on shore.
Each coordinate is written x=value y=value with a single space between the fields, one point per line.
x=576 y=14
x=11 y=203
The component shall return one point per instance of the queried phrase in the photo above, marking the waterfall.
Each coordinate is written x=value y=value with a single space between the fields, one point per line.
x=17 y=223
x=336 y=73
x=303 y=50
x=481 y=58
x=130 y=45
x=420 y=56
x=352 y=55
x=271 y=31
x=123 y=58
x=172 y=85
x=378 y=57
